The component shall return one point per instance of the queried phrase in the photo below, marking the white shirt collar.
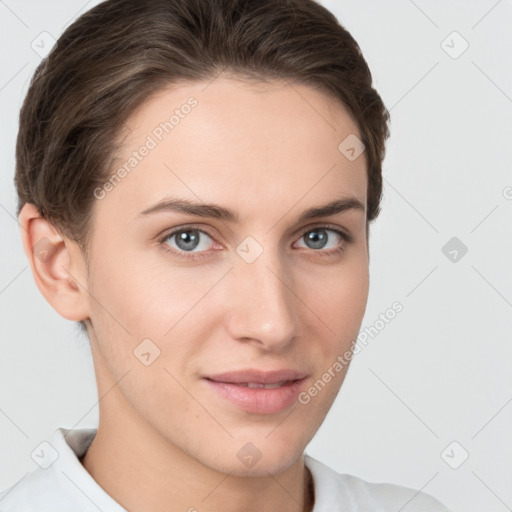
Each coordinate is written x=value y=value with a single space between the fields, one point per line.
x=62 y=484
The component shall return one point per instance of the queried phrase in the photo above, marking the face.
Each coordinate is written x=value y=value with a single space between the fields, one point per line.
x=181 y=297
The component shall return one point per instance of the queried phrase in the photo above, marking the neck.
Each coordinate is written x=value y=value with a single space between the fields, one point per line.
x=139 y=480
x=141 y=470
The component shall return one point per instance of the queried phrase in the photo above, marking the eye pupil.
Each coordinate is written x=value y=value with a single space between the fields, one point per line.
x=317 y=240
x=185 y=238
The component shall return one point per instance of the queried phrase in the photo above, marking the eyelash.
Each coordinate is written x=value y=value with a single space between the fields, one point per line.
x=348 y=239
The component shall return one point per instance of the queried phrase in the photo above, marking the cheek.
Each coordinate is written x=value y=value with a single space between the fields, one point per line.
x=338 y=299
x=137 y=299
x=339 y=296
x=141 y=296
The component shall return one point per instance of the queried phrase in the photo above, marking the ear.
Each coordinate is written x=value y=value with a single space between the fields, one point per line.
x=57 y=265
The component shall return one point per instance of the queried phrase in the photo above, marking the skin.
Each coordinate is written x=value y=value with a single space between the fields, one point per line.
x=165 y=441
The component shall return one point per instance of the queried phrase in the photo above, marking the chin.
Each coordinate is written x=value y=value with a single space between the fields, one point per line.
x=262 y=464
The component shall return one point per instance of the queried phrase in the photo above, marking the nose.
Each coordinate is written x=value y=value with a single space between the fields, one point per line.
x=263 y=303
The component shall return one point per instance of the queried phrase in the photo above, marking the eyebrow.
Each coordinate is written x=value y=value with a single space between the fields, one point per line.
x=220 y=212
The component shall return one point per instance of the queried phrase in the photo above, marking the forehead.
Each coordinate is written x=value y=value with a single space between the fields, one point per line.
x=238 y=143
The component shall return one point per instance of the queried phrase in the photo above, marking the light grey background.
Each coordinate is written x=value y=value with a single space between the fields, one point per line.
x=440 y=370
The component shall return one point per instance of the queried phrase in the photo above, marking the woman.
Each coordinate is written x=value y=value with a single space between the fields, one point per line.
x=196 y=182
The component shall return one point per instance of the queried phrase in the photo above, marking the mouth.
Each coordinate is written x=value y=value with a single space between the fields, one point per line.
x=258 y=397
x=259 y=378
x=258 y=385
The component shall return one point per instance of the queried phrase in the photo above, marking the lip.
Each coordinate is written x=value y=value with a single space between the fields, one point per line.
x=255 y=375
x=258 y=400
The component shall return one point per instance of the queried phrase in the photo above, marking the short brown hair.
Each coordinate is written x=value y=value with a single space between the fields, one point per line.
x=119 y=53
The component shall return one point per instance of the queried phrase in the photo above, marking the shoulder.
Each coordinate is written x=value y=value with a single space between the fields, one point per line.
x=32 y=492
x=336 y=492
x=59 y=483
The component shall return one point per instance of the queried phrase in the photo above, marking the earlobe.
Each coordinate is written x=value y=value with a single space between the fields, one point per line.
x=57 y=264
